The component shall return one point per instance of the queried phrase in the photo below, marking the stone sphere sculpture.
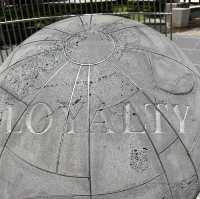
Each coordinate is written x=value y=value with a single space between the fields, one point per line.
x=99 y=107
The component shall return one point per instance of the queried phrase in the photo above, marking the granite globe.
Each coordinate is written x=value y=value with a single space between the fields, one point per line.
x=99 y=107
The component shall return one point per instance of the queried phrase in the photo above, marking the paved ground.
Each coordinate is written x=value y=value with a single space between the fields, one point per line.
x=190 y=45
x=192 y=30
x=188 y=40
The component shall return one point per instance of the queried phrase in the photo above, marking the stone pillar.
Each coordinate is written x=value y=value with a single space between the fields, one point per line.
x=180 y=17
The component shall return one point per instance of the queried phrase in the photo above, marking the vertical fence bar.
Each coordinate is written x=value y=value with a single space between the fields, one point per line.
x=32 y=8
x=43 y=8
x=165 y=25
x=154 y=10
x=143 y=8
x=32 y=15
x=17 y=17
x=160 y=17
x=171 y=20
x=12 y=25
x=28 y=15
x=38 y=3
x=3 y=41
x=81 y=7
x=54 y=9
x=138 y=4
x=65 y=7
x=1 y=47
x=70 y=7
x=86 y=8
x=6 y=26
x=49 y=8
x=38 y=8
x=150 y=9
x=60 y=7
x=101 y=6
x=165 y=18
x=111 y=5
x=106 y=4
x=91 y=6
x=1 y=55
x=22 y=16
x=96 y=6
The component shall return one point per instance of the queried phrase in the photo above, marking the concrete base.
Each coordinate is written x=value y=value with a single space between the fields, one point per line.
x=180 y=17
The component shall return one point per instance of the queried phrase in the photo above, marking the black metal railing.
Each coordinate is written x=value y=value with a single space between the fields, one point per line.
x=21 y=18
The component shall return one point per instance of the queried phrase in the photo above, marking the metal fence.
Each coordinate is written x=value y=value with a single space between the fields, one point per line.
x=21 y=18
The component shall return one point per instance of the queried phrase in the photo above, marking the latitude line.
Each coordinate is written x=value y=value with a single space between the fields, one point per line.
x=169 y=145
x=24 y=44
x=40 y=40
x=162 y=55
x=108 y=193
x=66 y=119
x=42 y=169
x=165 y=90
x=14 y=96
x=58 y=196
x=124 y=28
x=51 y=42
x=30 y=56
x=35 y=95
x=89 y=134
x=67 y=33
x=130 y=188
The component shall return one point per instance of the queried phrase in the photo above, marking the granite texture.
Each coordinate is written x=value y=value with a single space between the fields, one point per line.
x=99 y=107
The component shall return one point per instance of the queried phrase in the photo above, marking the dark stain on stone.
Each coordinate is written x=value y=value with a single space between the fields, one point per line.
x=77 y=101
x=139 y=159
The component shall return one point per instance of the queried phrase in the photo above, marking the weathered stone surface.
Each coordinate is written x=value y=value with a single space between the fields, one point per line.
x=99 y=107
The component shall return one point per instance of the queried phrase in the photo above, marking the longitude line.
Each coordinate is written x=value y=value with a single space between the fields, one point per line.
x=89 y=134
x=66 y=119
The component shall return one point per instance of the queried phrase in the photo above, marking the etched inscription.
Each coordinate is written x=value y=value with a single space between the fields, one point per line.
x=46 y=116
x=132 y=122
